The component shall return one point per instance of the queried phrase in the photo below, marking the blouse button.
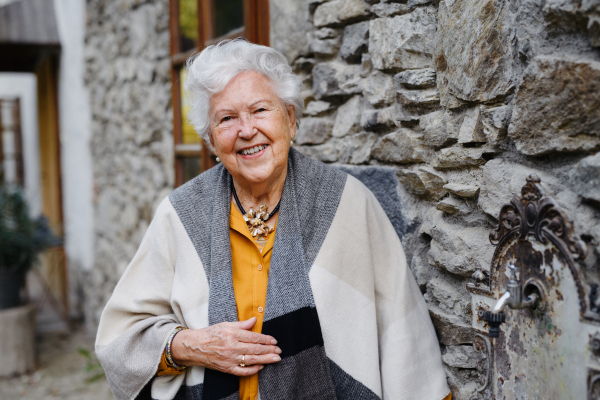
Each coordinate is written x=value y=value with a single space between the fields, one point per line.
x=260 y=267
x=260 y=309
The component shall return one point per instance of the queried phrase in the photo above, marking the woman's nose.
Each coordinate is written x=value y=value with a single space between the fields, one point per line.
x=247 y=127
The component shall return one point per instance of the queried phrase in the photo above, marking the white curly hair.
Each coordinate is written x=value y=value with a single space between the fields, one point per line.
x=214 y=67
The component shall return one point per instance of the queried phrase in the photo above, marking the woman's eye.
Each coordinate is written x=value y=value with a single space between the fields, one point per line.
x=225 y=119
x=261 y=109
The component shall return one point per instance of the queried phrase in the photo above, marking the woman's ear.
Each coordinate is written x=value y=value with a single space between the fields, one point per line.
x=210 y=138
x=291 y=111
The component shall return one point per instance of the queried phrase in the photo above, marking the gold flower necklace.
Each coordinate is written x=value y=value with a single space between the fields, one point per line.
x=255 y=220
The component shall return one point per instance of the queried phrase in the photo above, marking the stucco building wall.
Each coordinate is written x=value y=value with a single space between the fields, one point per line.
x=443 y=108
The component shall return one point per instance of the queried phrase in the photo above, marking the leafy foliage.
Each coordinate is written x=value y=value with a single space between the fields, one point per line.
x=92 y=366
x=188 y=19
x=21 y=237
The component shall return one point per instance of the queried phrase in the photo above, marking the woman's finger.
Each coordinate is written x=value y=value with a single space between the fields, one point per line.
x=253 y=337
x=246 y=371
x=245 y=325
x=262 y=359
x=256 y=349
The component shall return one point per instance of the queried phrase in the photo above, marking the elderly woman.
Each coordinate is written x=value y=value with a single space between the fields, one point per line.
x=272 y=275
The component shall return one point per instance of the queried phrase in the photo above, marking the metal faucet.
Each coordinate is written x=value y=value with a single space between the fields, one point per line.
x=513 y=298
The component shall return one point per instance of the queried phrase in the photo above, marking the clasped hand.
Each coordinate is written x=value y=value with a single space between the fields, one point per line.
x=221 y=347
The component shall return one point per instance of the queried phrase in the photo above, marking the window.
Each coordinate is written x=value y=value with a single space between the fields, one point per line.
x=11 y=146
x=196 y=24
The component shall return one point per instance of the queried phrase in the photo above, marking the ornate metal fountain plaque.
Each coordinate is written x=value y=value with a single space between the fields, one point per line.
x=545 y=352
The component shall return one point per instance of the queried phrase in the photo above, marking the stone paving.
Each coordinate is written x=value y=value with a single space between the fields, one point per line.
x=67 y=369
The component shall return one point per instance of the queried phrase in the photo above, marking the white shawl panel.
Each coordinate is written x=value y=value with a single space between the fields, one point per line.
x=155 y=287
x=374 y=319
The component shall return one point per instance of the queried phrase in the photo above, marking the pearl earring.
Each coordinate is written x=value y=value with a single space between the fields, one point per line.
x=291 y=142
x=218 y=159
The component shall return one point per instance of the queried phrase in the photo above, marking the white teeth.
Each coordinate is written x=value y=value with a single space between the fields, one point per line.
x=253 y=150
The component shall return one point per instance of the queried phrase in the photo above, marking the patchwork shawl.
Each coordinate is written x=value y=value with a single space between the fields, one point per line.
x=341 y=301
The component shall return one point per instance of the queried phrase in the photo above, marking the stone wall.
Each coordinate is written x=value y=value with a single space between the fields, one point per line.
x=443 y=108
x=128 y=78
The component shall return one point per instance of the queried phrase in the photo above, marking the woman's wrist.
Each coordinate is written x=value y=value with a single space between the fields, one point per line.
x=179 y=350
x=172 y=360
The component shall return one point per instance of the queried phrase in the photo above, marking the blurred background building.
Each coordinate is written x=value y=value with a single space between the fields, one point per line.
x=442 y=107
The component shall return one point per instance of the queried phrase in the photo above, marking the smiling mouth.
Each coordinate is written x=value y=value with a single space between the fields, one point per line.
x=252 y=150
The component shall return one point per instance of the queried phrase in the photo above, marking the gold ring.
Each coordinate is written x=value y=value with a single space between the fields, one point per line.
x=243 y=364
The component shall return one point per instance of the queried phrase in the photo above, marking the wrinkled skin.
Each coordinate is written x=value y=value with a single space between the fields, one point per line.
x=246 y=114
x=221 y=347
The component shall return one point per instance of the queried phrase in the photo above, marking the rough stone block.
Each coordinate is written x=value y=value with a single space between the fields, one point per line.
x=423 y=182
x=141 y=28
x=450 y=329
x=336 y=79
x=347 y=119
x=327 y=153
x=454 y=122
x=504 y=179
x=462 y=190
x=460 y=157
x=378 y=88
x=379 y=120
x=446 y=295
x=557 y=107
x=327 y=33
x=326 y=47
x=366 y=65
x=471 y=130
x=402 y=146
x=434 y=127
x=408 y=116
x=356 y=149
x=452 y=206
x=337 y=12
x=418 y=98
x=403 y=42
x=417 y=78
x=474 y=50
x=560 y=15
x=313 y=130
x=495 y=123
x=460 y=357
x=390 y=9
x=462 y=382
x=304 y=64
x=585 y=178
x=289 y=23
x=317 y=107
x=355 y=42
x=458 y=249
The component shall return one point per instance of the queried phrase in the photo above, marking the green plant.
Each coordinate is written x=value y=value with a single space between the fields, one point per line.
x=188 y=18
x=92 y=366
x=22 y=238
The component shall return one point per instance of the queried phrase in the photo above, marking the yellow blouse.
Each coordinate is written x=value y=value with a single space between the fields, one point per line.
x=250 y=261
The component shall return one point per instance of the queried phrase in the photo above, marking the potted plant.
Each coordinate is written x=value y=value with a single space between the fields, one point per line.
x=22 y=238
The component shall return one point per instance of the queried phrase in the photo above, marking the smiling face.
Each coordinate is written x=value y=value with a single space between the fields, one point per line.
x=251 y=130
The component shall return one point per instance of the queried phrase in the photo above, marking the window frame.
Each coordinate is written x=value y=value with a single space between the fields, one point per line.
x=255 y=29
